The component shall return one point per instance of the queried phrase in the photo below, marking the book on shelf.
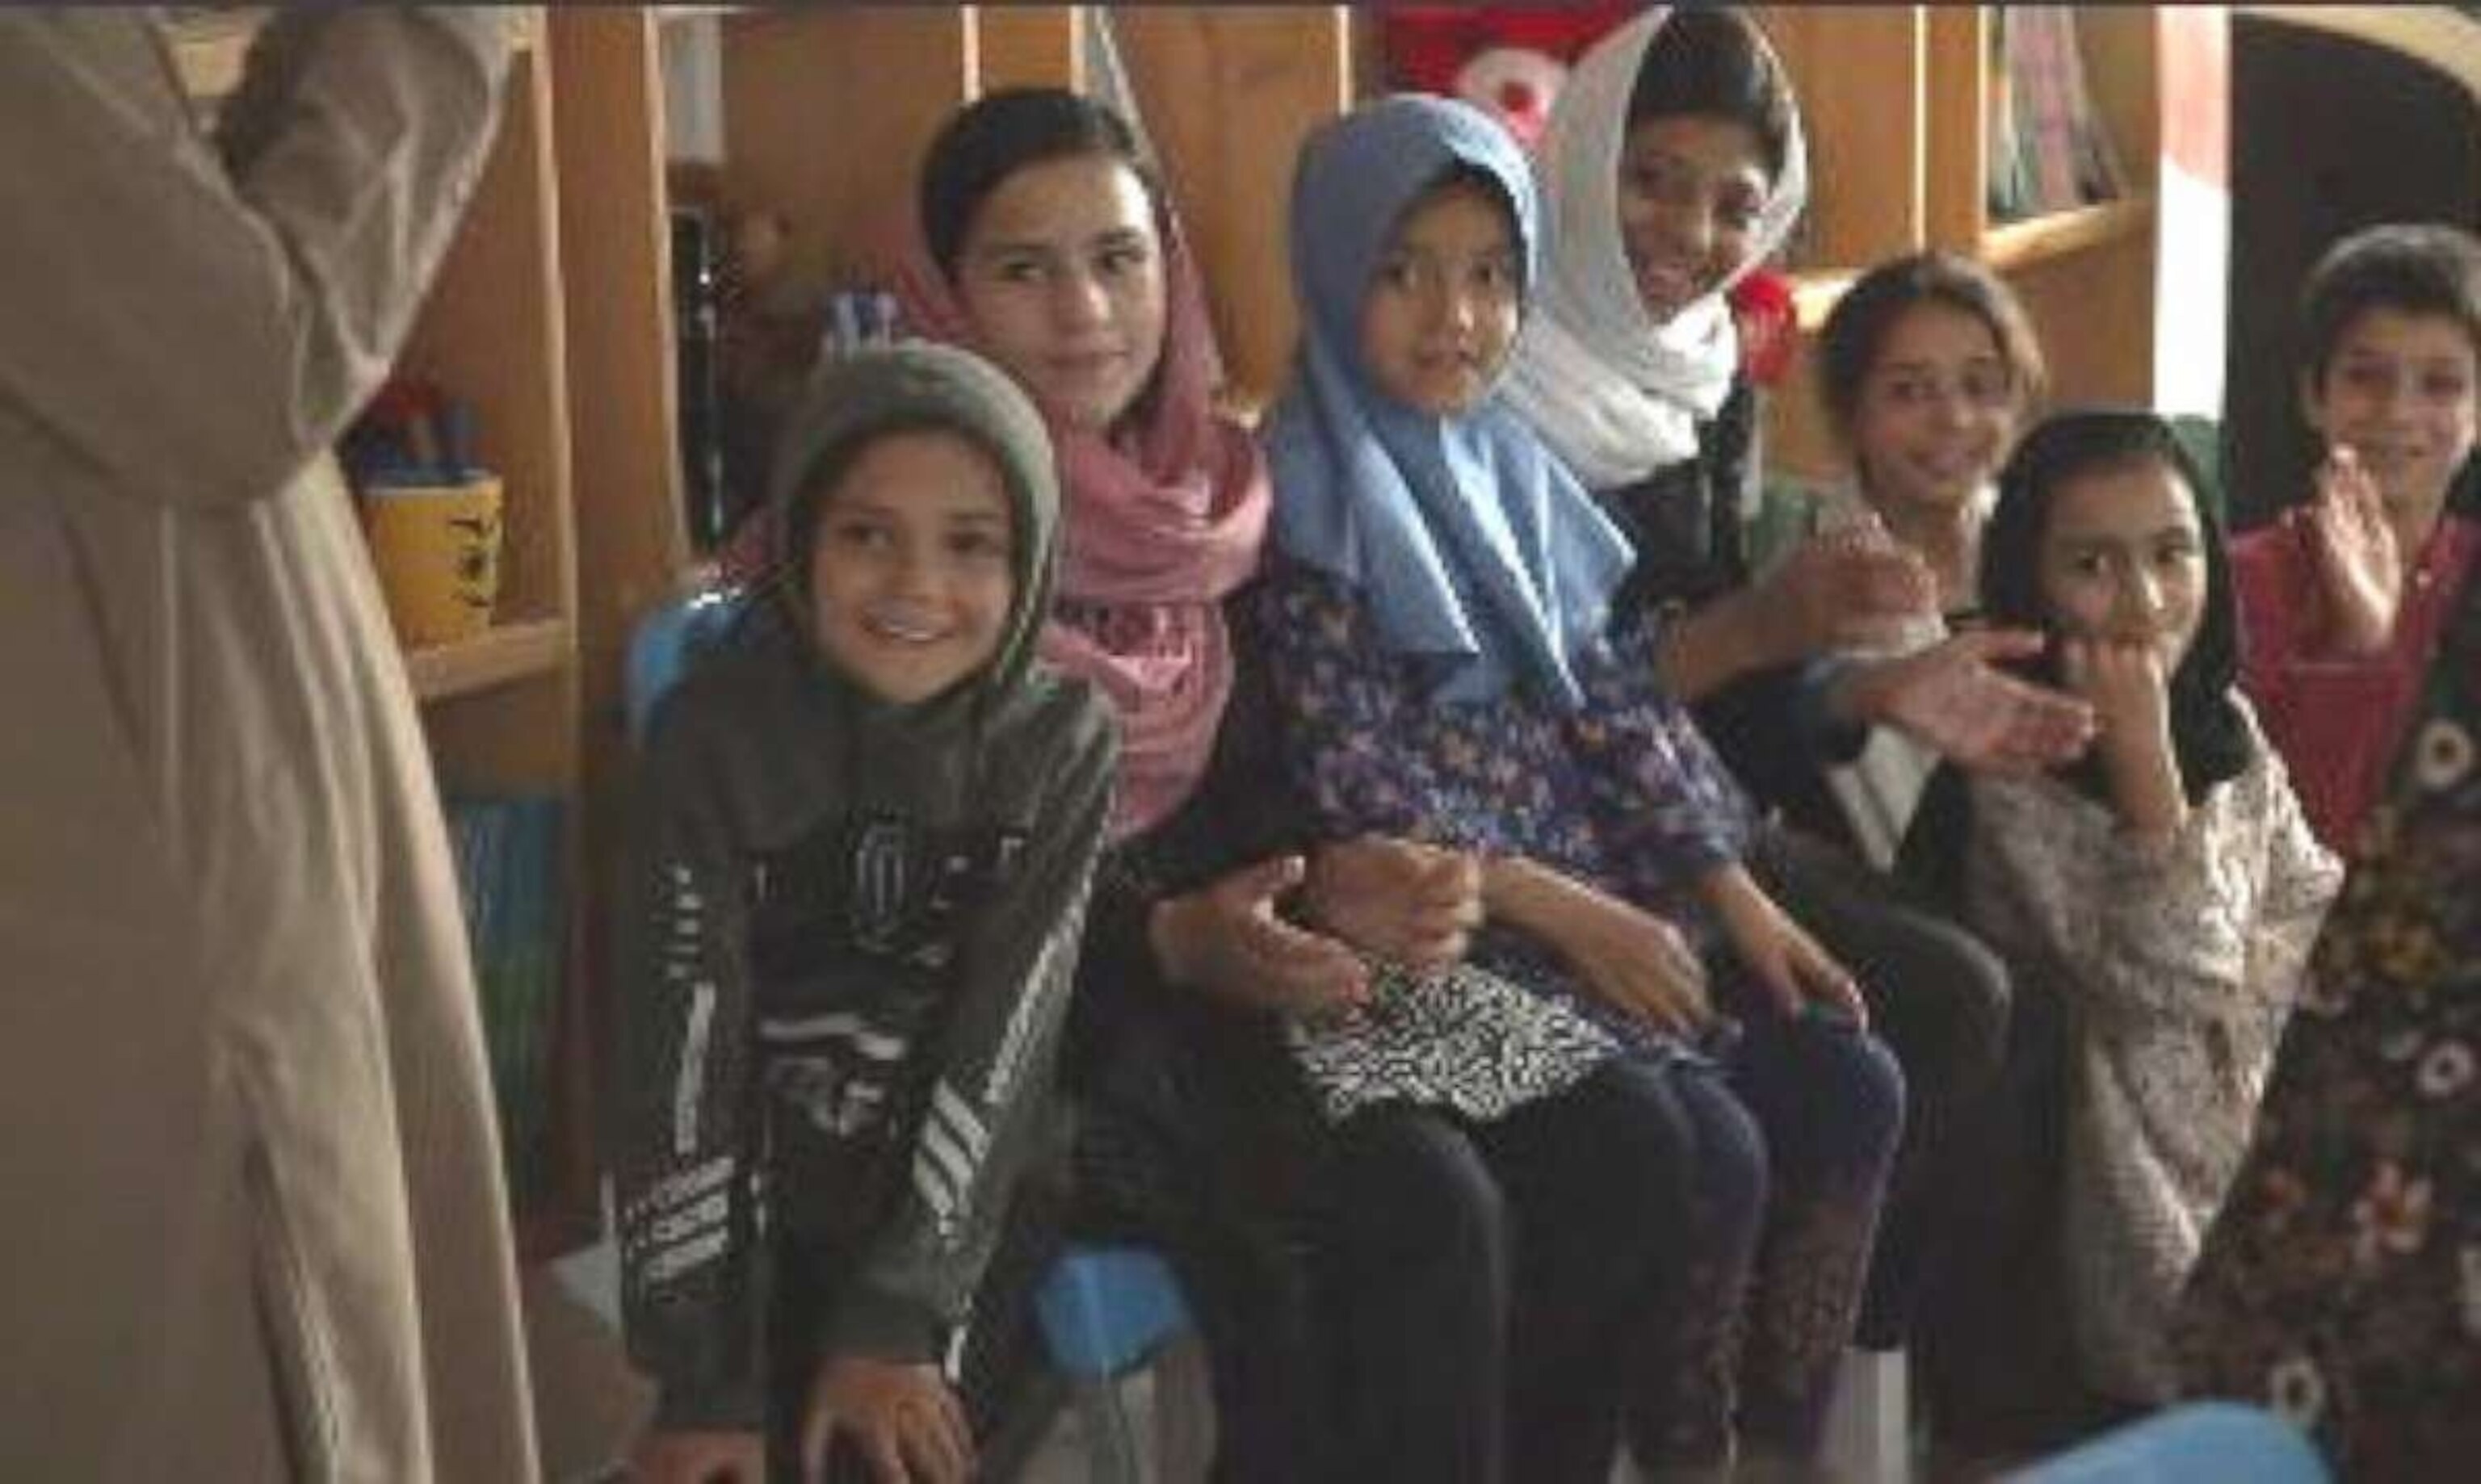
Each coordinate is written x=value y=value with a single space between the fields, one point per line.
x=512 y=877
x=2049 y=149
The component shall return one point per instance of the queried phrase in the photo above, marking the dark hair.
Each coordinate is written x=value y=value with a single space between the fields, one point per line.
x=1001 y=133
x=1856 y=330
x=806 y=507
x=2412 y=268
x=1713 y=60
x=1465 y=175
x=2209 y=734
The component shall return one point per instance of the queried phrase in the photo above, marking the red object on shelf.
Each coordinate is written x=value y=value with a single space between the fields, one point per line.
x=1769 y=324
x=1508 y=59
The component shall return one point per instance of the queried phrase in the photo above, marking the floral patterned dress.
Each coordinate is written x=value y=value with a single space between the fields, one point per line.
x=2342 y=1284
x=1624 y=795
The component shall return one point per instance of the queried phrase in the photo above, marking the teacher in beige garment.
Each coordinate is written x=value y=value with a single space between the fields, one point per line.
x=251 y=1222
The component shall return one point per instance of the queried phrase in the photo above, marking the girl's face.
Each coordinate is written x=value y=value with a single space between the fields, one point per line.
x=1062 y=274
x=1443 y=305
x=2400 y=392
x=1937 y=410
x=912 y=569
x=1692 y=187
x=2123 y=559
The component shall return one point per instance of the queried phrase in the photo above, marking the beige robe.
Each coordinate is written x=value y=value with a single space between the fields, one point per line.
x=255 y=1226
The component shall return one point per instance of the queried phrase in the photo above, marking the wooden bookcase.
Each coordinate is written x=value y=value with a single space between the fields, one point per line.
x=1894 y=100
x=501 y=711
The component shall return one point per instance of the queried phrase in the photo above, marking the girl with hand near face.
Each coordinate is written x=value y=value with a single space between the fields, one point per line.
x=1441 y=637
x=2156 y=903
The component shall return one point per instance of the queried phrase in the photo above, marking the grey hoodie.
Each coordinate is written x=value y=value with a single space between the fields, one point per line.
x=849 y=944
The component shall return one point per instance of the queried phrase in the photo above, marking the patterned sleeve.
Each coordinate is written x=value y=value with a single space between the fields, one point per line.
x=2302 y=879
x=1667 y=806
x=1347 y=723
x=2150 y=932
x=691 y=1282
x=917 y=1279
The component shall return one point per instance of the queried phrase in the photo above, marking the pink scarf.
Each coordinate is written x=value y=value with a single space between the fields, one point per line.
x=1164 y=518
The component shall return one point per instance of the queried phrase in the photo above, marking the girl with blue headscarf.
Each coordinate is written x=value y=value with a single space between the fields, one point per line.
x=1439 y=630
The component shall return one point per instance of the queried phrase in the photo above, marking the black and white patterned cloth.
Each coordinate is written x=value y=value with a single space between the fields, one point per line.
x=1461 y=1038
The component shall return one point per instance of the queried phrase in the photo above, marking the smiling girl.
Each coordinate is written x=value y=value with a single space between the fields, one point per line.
x=859 y=869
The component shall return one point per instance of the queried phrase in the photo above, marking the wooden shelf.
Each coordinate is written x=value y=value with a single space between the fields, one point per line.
x=2021 y=244
x=669 y=14
x=509 y=652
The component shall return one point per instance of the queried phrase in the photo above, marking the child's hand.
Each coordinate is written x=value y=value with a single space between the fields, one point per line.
x=1787 y=962
x=2131 y=700
x=1400 y=900
x=2357 y=555
x=1951 y=699
x=1631 y=959
x=699 y=1458
x=1227 y=939
x=1635 y=960
x=903 y=1416
x=2125 y=684
x=1852 y=588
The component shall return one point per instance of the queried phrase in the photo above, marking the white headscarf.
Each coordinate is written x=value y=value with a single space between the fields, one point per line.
x=1616 y=395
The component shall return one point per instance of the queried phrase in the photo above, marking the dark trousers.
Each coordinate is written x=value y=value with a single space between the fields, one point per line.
x=1828 y=1100
x=1196 y=1138
x=1483 y=1287
x=1997 y=1359
x=1672 y=1252
x=996 y=1366
x=1940 y=999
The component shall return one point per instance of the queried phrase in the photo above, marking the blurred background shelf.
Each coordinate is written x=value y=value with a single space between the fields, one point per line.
x=2022 y=244
x=508 y=652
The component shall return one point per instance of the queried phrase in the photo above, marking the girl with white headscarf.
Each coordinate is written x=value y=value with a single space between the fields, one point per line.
x=1673 y=164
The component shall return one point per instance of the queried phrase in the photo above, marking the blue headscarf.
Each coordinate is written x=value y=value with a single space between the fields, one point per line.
x=1469 y=541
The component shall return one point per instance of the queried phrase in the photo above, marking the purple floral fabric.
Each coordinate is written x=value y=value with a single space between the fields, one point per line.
x=1623 y=793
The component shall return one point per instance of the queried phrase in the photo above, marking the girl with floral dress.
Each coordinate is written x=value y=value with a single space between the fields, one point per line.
x=2341 y=1283
x=1437 y=627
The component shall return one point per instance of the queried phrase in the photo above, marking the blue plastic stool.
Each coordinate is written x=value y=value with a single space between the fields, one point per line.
x=1103 y=1310
x=2200 y=1442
